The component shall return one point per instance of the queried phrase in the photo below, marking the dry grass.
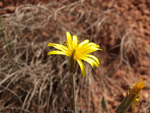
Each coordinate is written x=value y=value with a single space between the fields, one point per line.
x=32 y=82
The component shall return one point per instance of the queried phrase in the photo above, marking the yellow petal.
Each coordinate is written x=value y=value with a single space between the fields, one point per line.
x=75 y=41
x=82 y=67
x=87 y=48
x=58 y=46
x=95 y=58
x=90 y=45
x=86 y=51
x=83 y=43
x=56 y=52
x=69 y=40
x=91 y=61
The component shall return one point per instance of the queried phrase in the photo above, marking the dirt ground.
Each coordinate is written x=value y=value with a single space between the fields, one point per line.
x=33 y=82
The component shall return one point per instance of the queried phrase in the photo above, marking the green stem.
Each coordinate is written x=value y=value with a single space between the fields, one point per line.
x=126 y=103
x=73 y=90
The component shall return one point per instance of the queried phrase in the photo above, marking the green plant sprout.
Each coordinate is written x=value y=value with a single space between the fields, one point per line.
x=131 y=98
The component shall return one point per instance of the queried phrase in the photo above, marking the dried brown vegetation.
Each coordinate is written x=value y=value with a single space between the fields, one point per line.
x=32 y=82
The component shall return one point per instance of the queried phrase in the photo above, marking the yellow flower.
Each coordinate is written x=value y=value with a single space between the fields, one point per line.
x=135 y=90
x=77 y=52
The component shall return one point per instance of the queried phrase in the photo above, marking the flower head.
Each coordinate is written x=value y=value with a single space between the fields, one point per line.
x=77 y=52
x=131 y=98
x=135 y=90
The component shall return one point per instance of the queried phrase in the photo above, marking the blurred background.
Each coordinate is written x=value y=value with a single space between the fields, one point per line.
x=33 y=82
